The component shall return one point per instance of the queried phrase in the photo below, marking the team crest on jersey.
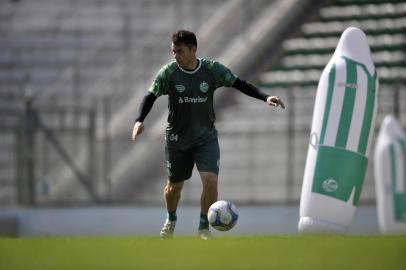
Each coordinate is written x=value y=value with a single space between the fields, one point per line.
x=204 y=87
x=180 y=88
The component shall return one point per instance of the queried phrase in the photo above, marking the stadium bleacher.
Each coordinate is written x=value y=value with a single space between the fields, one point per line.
x=55 y=50
x=70 y=53
x=82 y=53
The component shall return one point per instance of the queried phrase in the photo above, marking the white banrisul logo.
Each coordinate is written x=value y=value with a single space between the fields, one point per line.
x=204 y=87
x=194 y=100
x=330 y=185
x=180 y=88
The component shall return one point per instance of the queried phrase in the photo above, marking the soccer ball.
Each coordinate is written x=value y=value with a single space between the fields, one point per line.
x=222 y=215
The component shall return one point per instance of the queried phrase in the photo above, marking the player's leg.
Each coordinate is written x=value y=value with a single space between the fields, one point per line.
x=207 y=161
x=172 y=193
x=208 y=197
x=179 y=168
x=209 y=192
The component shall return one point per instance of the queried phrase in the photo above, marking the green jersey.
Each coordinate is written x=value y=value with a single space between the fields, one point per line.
x=190 y=100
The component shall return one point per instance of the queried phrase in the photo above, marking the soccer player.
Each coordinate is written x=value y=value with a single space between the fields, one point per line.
x=191 y=137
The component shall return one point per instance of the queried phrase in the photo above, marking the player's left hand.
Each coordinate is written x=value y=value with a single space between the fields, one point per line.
x=275 y=101
x=137 y=129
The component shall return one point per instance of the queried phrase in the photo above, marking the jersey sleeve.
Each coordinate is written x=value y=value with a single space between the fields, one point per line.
x=222 y=75
x=159 y=86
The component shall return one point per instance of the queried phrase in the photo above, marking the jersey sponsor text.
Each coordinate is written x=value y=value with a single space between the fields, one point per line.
x=192 y=100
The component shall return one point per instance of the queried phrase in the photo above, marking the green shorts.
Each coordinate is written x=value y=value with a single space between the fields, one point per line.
x=179 y=163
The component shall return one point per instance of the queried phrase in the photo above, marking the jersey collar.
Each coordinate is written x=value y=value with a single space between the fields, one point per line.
x=193 y=71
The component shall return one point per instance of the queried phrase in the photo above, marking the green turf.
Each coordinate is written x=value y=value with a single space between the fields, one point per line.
x=257 y=252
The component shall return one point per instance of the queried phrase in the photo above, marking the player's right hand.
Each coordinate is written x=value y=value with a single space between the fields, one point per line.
x=275 y=101
x=137 y=129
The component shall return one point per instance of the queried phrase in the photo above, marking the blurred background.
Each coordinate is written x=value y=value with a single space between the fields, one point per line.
x=73 y=73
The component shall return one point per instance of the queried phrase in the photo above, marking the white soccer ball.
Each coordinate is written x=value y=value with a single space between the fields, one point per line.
x=222 y=215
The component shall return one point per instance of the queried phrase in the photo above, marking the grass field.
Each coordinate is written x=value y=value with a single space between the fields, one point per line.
x=257 y=252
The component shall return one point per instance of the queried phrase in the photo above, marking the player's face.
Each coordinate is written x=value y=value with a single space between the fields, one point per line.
x=184 y=56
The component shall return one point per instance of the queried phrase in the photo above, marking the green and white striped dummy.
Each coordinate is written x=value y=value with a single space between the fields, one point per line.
x=390 y=176
x=342 y=127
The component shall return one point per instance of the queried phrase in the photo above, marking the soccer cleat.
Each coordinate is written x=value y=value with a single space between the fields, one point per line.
x=168 y=229
x=205 y=234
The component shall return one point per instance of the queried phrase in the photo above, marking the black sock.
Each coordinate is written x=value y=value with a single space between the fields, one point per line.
x=172 y=215
x=204 y=222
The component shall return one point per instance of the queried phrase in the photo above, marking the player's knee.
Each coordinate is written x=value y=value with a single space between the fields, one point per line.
x=173 y=188
x=210 y=182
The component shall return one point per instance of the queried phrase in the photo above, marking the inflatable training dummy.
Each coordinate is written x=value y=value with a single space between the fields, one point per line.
x=341 y=133
x=390 y=176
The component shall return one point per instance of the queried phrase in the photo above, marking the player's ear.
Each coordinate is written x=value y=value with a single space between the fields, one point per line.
x=194 y=49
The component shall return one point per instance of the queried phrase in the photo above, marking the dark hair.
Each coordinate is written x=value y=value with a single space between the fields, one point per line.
x=184 y=36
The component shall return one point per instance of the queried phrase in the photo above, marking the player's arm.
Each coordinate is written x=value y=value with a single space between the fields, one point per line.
x=253 y=91
x=145 y=108
x=158 y=87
